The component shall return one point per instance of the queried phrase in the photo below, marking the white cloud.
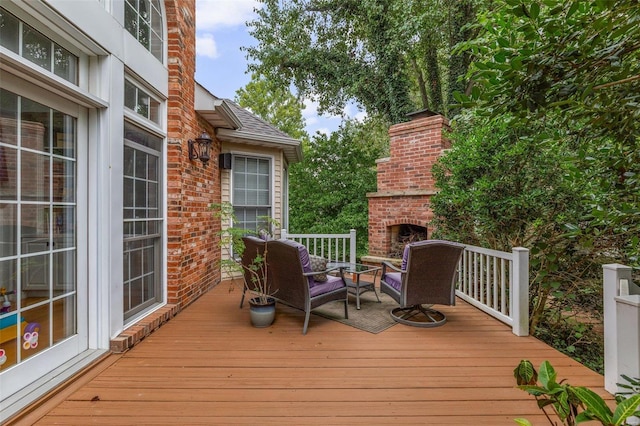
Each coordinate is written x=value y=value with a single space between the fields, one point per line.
x=206 y=46
x=361 y=116
x=214 y=14
x=324 y=130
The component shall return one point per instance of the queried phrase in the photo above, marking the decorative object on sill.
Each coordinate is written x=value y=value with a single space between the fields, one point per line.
x=199 y=148
x=262 y=314
x=372 y=316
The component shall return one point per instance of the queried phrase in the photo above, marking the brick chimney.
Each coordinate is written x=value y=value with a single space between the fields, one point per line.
x=405 y=183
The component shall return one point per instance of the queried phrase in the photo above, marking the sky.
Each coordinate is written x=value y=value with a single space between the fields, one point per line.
x=221 y=66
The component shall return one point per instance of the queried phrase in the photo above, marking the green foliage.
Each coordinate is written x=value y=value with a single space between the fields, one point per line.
x=571 y=404
x=274 y=104
x=390 y=57
x=558 y=81
x=328 y=190
x=578 y=63
x=254 y=274
x=503 y=185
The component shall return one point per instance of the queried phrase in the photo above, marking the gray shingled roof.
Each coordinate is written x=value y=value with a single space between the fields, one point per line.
x=236 y=124
x=254 y=124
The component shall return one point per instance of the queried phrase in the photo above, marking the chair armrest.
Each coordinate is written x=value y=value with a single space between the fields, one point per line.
x=386 y=264
x=311 y=274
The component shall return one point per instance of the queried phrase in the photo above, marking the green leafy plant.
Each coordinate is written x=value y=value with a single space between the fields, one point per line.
x=254 y=275
x=571 y=404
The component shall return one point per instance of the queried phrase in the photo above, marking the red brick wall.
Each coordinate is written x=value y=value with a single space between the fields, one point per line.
x=405 y=181
x=193 y=250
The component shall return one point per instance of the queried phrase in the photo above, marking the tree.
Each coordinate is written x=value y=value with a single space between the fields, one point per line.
x=274 y=104
x=388 y=56
x=579 y=63
x=328 y=190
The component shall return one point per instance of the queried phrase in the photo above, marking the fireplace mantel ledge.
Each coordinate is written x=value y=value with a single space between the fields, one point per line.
x=409 y=193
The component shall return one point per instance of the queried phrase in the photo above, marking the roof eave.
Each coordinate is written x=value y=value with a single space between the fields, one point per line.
x=291 y=147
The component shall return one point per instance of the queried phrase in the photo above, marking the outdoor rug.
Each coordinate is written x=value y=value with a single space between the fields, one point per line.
x=373 y=317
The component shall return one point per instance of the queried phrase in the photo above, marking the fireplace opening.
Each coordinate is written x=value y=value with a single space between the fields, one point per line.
x=403 y=234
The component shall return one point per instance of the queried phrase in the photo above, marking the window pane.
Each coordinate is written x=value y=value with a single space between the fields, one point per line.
x=63 y=180
x=8 y=173
x=36 y=48
x=130 y=18
x=35 y=278
x=8 y=231
x=64 y=131
x=35 y=176
x=64 y=318
x=35 y=228
x=36 y=335
x=64 y=230
x=9 y=31
x=65 y=64
x=130 y=95
x=64 y=272
x=8 y=117
x=34 y=126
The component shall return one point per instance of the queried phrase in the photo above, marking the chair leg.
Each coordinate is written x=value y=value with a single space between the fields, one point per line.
x=346 y=308
x=244 y=290
x=419 y=316
x=307 y=314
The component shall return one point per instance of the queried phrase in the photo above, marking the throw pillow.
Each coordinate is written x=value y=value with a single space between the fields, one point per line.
x=318 y=264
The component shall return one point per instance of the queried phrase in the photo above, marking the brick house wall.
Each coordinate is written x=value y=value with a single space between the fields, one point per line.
x=193 y=251
x=405 y=183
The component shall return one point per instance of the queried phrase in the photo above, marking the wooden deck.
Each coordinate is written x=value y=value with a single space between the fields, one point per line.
x=209 y=366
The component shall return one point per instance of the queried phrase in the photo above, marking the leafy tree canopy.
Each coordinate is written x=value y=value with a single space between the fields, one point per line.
x=386 y=55
x=274 y=104
x=328 y=189
x=577 y=63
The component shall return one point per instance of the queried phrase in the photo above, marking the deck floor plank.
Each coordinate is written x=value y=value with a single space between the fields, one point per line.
x=209 y=366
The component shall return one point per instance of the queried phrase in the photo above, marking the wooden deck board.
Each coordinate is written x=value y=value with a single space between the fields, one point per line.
x=209 y=366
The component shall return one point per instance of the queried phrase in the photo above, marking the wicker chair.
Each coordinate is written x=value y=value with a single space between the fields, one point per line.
x=427 y=277
x=292 y=280
x=253 y=247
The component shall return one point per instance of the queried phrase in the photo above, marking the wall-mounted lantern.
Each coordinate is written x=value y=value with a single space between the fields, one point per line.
x=199 y=148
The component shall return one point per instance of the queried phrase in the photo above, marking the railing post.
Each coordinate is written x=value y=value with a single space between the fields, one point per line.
x=612 y=274
x=283 y=234
x=520 y=292
x=352 y=246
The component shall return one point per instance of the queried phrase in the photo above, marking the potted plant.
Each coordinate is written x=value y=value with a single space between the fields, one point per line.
x=239 y=260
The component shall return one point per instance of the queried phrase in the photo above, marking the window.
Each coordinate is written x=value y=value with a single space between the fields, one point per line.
x=251 y=192
x=143 y=19
x=140 y=102
x=142 y=220
x=23 y=40
x=38 y=235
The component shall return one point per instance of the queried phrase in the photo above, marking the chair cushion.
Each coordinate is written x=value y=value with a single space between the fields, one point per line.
x=318 y=264
x=405 y=257
x=332 y=283
x=394 y=279
x=304 y=259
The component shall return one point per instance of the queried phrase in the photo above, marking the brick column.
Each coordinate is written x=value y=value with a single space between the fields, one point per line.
x=405 y=182
x=193 y=251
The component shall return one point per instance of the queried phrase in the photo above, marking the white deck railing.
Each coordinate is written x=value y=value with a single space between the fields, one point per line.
x=621 y=324
x=497 y=282
x=335 y=247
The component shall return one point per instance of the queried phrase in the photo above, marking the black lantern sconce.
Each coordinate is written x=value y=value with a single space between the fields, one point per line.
x=199 y=148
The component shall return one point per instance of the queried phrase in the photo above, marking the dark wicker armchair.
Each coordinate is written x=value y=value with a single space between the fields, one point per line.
x=427 y=277
x=293 y=283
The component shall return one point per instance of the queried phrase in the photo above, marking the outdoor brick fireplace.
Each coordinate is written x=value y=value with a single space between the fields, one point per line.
x=400 y=211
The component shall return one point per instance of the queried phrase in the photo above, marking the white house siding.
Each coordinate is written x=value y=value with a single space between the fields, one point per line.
x=94 y=32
